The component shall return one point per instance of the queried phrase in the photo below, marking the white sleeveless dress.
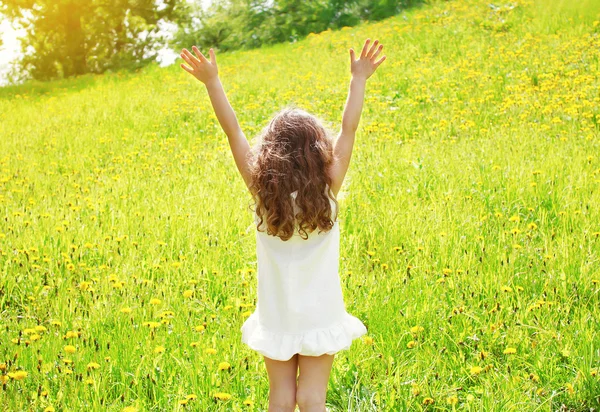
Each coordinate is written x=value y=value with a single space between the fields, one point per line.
x=300 y=307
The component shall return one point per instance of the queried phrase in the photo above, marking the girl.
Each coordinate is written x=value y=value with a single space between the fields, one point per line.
x=294 y=174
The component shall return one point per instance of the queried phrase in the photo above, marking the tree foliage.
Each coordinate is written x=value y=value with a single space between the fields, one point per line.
x=246 y=24
x=71 y=37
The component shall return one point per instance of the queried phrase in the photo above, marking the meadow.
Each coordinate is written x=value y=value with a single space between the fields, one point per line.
x=470 y=227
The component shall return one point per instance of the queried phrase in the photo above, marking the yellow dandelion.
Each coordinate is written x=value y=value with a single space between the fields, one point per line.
x=89 y=381
x=70 y=349
x=222 y=396
x=93 y=365
x=155 y=301
x=417 y=329
x=452 y=400
x=191 y=396
x=18 y=375
x=506 y=289
x=368 y=340
x=159 y=349
x=130 y=409
x=428 y=401
x=49 y=408
x=199 y=328
x=224 y=366
x=569 y=388
x=515 y=218
x=411 y=344
x=470 y=398
x=510 y=351
x=210 y=351
x=71 y=334
x=188 y=293
x=475 y=370
x=126 y=310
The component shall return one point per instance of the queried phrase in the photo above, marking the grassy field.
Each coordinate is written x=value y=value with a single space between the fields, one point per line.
x=469 y=218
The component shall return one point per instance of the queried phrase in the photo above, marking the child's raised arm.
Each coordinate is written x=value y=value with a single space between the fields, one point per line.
x=207 y=72
x=361 y=69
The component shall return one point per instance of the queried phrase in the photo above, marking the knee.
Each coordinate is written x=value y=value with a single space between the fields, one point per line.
x=310 y=399
x=282 y=401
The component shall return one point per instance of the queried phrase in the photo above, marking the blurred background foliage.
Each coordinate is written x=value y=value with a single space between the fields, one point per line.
x=248 y=24
x=66 y=38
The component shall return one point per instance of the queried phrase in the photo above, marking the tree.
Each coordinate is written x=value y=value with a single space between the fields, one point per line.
x=71 y=37
x=246 y=24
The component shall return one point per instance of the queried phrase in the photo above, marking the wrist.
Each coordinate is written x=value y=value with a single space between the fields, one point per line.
x=359 y=78
x=212 y=82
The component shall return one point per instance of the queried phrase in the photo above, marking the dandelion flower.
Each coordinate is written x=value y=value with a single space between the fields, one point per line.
x=510 y=351
x=475 y=370
x=70 y=349
x=224 y=365
x=93 y=365
x=222 y=396
x=18 y=375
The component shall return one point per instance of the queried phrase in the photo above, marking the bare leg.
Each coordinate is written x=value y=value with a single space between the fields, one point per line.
x=312 y=383
x=282 y=384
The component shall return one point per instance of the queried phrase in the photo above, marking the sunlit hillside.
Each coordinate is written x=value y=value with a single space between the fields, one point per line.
x=470 y=226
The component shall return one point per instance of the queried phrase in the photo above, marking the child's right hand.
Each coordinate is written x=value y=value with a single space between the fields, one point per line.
x=366 y=65
x=200 y=67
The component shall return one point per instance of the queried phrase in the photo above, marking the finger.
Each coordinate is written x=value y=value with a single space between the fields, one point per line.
x=373 y=57
x=352 y=56
x=199 y=54
x=372 y=49
x=377 y=63
x=187 y=60
x=213 y=58
x=190 y=58
x=186 y=68
x=364 y=50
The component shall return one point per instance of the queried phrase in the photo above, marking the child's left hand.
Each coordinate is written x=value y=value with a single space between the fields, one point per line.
x=201 y=68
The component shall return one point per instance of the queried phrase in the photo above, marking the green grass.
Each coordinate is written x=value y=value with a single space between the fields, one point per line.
x=470 y=209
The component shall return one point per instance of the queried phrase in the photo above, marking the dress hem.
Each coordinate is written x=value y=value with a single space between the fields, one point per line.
x=315 y=342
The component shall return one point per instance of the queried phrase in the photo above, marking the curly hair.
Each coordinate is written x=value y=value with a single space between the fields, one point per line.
x=293 y=153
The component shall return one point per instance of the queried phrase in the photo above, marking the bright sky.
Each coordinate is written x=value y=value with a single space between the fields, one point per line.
x=11 y=50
